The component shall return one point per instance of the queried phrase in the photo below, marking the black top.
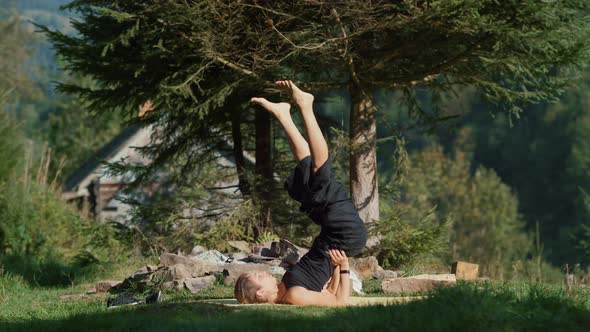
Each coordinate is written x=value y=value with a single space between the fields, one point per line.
x=327 y=203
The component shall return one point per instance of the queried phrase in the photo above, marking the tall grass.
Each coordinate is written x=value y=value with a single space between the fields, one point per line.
x=43 y=239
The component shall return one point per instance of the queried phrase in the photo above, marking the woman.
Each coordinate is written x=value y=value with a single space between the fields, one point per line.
x=326 y=202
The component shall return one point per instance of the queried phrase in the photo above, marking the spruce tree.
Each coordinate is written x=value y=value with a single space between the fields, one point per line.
x=191 y=57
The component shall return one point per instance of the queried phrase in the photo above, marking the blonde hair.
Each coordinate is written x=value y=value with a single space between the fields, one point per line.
x=246 y=288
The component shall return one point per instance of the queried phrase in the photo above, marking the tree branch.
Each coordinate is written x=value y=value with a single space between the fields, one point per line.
x=233 y=66
x=350 y=62
x=429 y=74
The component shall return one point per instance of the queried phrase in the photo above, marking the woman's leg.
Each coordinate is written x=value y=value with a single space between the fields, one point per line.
x=281 y=111
x=342 y=226
x=317 y=143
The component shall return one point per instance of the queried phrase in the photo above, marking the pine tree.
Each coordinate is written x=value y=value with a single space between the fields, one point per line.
x=190 y=57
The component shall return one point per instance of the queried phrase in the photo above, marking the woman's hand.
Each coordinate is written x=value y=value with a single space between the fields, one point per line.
x=339 y=258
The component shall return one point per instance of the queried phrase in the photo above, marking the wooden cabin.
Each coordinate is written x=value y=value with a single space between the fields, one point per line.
x=100 y=193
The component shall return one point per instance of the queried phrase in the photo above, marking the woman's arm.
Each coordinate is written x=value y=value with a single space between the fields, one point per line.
x=339 y=258
x=335 y=281
x=302 y=296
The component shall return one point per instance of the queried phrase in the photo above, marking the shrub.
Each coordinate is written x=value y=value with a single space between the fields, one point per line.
x=405 y=236
x=41 y=237
x=403 y=241
x=486 y=226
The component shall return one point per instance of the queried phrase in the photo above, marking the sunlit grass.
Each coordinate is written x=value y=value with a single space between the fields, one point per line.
x=490 y=306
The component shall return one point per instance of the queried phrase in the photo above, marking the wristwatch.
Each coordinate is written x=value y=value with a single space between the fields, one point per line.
x=345 y=272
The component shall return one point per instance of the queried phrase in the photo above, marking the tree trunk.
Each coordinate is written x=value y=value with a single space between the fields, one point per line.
x=238 y=151
x=263 y=166
x=363 y=155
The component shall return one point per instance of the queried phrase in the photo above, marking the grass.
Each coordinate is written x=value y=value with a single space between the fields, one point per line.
x=470 y=307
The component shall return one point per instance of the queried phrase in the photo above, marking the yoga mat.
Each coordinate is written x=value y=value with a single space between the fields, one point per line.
x=353 y=301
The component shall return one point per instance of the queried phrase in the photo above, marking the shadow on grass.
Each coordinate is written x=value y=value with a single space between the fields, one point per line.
x=48 y=273
x=462 y=308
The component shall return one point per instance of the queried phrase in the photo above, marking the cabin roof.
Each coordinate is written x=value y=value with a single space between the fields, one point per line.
x=98 y=158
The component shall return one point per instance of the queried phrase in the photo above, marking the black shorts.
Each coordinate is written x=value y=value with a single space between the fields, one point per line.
x=327 y=203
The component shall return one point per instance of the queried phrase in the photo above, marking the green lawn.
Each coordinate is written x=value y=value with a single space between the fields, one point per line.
x=467 y=307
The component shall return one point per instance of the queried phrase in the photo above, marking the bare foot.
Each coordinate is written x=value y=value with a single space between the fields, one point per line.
x=277 y=109
x=301 y=98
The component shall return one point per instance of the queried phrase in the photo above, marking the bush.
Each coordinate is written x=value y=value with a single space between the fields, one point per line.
x=405 y=236
x=41 y=237
x=47 y=241
x=486 y=227
x=403 y=241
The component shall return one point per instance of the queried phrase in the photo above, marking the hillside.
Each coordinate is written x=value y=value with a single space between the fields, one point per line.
x=44 y=12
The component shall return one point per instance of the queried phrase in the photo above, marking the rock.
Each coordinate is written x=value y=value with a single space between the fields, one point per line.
x=272 y=262
x=146 y=270
x=465 y=271
x=290 y=252
x=197 y=267
x=175 y=272
x=373 y=242
x=438 y=277
x=197 y=250
x=138 y=280
x=384 y=274
x=105 y=286
x=168 y=285
x=232 y=271
x=211 y=256
x=173 y=269
x=242 y=246
x=262 y=249
x=269 y=252
x=194 y=285
x=275 y=249
x=286 y=248
x=169 y=259
x=420 y=283
x=364 y=266
x=172 y=285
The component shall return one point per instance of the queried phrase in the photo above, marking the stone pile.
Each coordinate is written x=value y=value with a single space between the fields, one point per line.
x=201 y=268
x=196 y=271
